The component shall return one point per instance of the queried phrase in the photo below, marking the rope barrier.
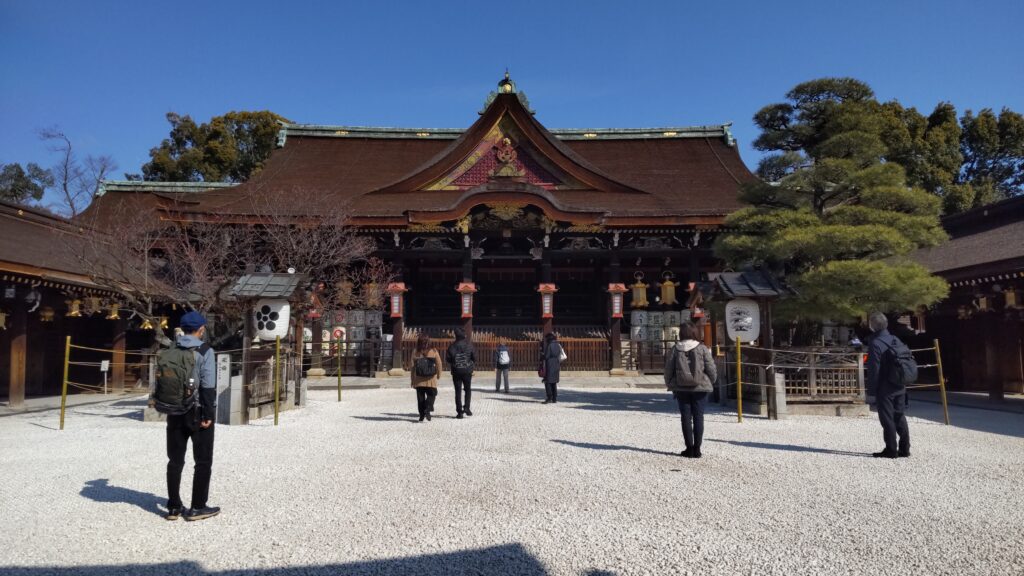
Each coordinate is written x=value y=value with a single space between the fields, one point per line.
x=133 y=352
x=97 y=364
x=85 y=386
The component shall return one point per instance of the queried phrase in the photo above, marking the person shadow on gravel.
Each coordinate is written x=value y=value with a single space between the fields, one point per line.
x=101 y=491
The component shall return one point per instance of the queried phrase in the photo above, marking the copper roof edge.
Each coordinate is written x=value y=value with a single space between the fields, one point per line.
x=340 y=131
x=147 y=186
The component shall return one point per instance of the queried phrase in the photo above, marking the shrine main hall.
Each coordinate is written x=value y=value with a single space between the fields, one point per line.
x=509 y=228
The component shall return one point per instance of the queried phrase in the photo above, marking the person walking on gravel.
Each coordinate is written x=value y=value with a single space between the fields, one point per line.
x=426 y=369
x=461 y=360
x=186 y=391
x=502 y=364
x=551 y=356
x=888 y=356
x=689 y=374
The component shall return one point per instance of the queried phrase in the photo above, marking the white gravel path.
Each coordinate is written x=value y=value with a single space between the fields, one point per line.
x=590 y=486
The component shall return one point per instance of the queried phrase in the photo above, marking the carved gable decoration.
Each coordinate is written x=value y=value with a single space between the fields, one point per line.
x=507 y=146
x=505 y=154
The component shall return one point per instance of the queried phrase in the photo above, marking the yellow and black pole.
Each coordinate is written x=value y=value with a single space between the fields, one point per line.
x=64 y=383
x=739 y=383
x=942 y=382
x=277 y=379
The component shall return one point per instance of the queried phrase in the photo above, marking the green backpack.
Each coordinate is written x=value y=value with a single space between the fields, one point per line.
x=176 y=381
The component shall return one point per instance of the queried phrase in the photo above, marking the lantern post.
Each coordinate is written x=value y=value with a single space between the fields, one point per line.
x=466 y=291
x=396 y=304
x=547 y=306
x=616 y=291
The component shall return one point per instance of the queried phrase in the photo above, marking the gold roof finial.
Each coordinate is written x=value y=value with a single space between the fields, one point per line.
x=506 y=86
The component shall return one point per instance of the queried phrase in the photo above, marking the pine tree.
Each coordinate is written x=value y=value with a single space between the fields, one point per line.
x=829 y=213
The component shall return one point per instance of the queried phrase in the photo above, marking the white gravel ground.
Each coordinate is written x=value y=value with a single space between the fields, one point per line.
x=590 y=486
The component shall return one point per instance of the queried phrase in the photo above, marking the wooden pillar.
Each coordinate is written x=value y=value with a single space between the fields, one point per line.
x=248 y=331
x=117 y=363
x=614 y=323
x=467 y=276
x=398 y=322
x=18 y=327
x=993 y=374
x=397 y=335
x=547 y=324
x=316 y=356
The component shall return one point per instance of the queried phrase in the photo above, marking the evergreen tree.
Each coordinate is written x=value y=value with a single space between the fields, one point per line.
x=829 y=213
x=993 y=159
x=18 y=185
x=229 y=148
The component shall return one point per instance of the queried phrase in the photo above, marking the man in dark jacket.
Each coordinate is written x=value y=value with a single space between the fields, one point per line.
x=891 y=399
x=461 y=358
x=196 y=424
x=551 y=360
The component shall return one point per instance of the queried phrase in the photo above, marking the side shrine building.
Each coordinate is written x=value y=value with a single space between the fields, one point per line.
x=509 y=228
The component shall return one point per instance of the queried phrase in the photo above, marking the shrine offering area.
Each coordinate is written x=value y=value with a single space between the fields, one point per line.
x=589 y=486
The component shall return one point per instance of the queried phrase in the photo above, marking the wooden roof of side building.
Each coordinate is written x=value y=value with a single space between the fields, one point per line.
x=983 y=241
x=35 y=243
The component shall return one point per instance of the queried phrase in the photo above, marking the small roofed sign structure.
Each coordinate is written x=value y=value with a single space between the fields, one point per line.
x=749 y=315
x=272 y=293
x=267 y=285
x=750 y=284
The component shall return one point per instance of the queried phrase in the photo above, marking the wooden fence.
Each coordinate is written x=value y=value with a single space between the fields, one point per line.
x=809 y=375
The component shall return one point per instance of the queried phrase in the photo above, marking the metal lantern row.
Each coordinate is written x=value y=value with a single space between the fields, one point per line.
x=667 y=286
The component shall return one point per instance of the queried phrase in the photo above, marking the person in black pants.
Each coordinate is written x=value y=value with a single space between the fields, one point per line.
x=197 y=425
x=690 y=373
x=461 y=359
x=891 y=398
x=551 y=363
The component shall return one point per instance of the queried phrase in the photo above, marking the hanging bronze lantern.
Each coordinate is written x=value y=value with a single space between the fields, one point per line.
x=113 y=315
x=668 y=288
x=93 y=305
x=146 y=325
x=344 y=292
x=639 y=291
x=46 y=314
x=74 y=308
x=372 y=296
x=163 y=322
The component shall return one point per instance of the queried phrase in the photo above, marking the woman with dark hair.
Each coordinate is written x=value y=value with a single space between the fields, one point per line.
x=426 y=366
x=689 y=374
x=550 y=366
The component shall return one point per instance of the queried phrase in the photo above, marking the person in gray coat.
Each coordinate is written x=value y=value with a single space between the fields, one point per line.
x=551 y=366
x=689 y=374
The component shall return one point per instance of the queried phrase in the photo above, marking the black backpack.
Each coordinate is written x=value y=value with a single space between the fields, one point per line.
x=462 y=361
x=177 y=380
x=425 y=366
x=898 y=366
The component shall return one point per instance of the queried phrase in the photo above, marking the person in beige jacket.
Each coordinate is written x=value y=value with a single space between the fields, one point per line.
x=424 y=372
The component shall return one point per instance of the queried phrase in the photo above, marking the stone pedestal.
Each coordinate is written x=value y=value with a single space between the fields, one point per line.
x=316 y=373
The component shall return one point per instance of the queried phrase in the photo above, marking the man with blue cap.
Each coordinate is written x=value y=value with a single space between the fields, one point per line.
x=195 y=424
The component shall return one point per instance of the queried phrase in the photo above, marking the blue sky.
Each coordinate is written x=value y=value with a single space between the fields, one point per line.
x=107 y=72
